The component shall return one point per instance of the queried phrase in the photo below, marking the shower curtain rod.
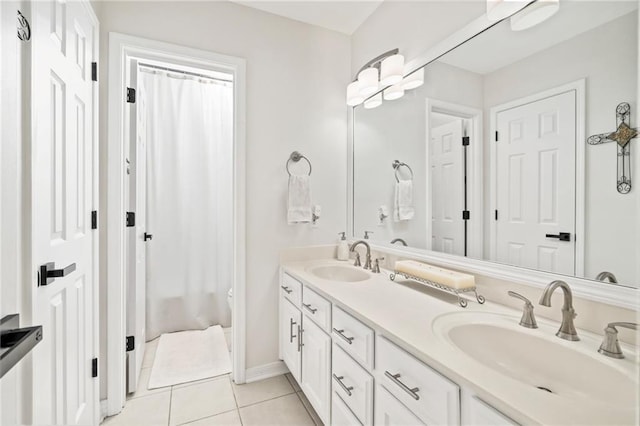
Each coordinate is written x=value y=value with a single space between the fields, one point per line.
x=184 y=72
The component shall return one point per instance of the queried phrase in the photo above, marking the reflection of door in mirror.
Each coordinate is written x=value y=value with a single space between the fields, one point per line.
x=535 y=195
x=447 y=184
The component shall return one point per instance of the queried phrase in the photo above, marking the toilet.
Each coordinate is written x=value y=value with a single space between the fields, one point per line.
x=230 y=298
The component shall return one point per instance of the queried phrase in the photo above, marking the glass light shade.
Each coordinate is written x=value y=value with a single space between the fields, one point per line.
x=500 y=9
x=373 y=102
x=368 y=79
x=534 y=14
x=394 y=92
x=391 y=70
x=353 y=94
x=413 y=80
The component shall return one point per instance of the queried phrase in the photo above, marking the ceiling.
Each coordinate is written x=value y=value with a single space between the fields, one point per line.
x=342 y=16
x=500 y=46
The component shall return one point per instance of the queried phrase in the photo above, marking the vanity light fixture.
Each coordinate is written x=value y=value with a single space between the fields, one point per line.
x=535 y=14
x=392 y=70
x=393 y=92
x=373 y=102
x=368 y=79
x=353 y=94
x=497 y=10
x=413 y=80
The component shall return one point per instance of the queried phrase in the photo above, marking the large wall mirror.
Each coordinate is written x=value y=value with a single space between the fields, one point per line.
x=489 y=157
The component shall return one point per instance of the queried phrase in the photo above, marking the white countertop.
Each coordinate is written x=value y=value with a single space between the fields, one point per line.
x=404 y=313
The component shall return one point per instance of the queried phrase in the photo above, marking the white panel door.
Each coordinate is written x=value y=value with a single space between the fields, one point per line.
x=535 y=193
x=391 y=412
x=135 y=126
x=447 y=177
x=63 y=176
x=290 y=323
x=316 y=368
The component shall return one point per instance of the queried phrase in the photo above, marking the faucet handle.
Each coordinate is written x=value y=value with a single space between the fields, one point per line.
x=610 y=345
x=357 y=262
x=376 y=266
x=528 y=320
x=366 y=234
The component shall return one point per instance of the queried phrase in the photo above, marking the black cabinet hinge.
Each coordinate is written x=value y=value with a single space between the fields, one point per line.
x=465 y=140
x=496 y=214
x=131 y=343
x=131 y=95
x=94 y=367
x=94 y=71
x=94 y=219
x=496 y=136
x=131 y=219
x=466 y=215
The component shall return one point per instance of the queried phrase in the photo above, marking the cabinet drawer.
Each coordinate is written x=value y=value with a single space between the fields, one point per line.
x=353 y=336
x=340 y=413
x=292 y=289
x=391 y=412
x=481 y=413
x=429 y=395
x=317 y=308
x=353 y=384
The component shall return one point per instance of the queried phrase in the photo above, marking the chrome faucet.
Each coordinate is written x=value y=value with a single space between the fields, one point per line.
x=610 y=345
x=367 y=259
x=528 y=320
x=605 y=275
x=567 y=330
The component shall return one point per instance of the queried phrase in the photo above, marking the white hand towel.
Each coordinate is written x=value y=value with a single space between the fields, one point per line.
x=299 y=200
x=403 y=208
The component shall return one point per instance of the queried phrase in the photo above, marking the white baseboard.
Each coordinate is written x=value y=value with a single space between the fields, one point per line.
x=265 y=371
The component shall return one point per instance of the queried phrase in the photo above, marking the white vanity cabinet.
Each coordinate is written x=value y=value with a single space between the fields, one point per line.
x=316 y=368
x=290 y=343
x=390 y=412
x=477 y=412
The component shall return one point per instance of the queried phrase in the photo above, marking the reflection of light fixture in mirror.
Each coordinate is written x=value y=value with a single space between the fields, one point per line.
x=368 y=79
x=353 y=94
x=373 y=102
x=535 y=14
x=394 y=92
x=500 y=9
x=391 y=70
x=413 y=80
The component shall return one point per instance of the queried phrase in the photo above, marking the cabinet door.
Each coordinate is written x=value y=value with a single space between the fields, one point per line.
x=290 y=324
x=481 y=413
x=316 y=368
x=390 y=412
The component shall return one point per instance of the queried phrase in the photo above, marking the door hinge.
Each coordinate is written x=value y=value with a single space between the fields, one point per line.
x=131 y=95
x=466 y=215
x=94 y=367
x=465 y=141
x=94 y=219
x=94 y=71
x=131 y=343
x=131 y=219
x=496 y=136
x=496 y=214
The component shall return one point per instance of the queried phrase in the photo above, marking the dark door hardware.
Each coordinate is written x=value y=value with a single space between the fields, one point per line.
x=131 y=343
x=16 y=342
x=562 y=236
x=146 y=236
x=48 y=274
x=94 y=71
x=131 y=219
x=131 y=95
x=94 y=219
x=94 y=367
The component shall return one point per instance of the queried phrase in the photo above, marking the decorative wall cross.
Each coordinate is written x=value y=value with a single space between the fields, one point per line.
x=622 y=136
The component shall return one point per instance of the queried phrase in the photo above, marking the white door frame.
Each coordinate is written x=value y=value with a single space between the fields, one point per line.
x=474 y=171
x=121 y=49
x=579 y=87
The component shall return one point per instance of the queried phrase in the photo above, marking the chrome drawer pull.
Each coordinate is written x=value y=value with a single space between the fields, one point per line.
x=308 y=306
x=340 y=333
x=287 y=289
x=338 y=379
x=291 y=335
x=394 y=378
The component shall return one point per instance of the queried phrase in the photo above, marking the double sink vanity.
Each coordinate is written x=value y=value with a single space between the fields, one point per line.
x=369 y=350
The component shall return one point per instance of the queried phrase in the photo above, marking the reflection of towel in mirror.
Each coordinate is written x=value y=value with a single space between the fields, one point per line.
x=403 y=208
x=299 y=200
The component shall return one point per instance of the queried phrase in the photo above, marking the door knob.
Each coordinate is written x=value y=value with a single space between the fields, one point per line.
x=146 y=237
x=48 y=274
x=562 y=236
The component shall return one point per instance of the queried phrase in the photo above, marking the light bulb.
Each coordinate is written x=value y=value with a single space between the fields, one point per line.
x=373 y=102
x=368 y=79
x=353 y=94
x=391 y=70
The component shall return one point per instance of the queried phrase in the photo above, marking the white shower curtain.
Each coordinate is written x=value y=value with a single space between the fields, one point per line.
x=189 y=201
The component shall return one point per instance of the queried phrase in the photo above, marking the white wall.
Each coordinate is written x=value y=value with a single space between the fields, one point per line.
x=611 y=219
x=296 y=75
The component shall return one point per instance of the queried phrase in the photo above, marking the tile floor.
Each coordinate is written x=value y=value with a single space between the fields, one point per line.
x=216 y=401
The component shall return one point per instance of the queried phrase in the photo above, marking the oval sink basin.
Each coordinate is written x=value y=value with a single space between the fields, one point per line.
x=540 y=359
x=339 y=273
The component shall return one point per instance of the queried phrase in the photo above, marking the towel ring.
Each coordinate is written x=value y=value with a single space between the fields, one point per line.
x=396 y=166
x=295 y=157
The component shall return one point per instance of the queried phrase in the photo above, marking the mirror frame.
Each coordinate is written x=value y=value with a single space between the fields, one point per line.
x=616 y=295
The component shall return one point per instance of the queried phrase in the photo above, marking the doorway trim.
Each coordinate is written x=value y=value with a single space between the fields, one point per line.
x=474 y=171
x=579 y=86
x=121 y=49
